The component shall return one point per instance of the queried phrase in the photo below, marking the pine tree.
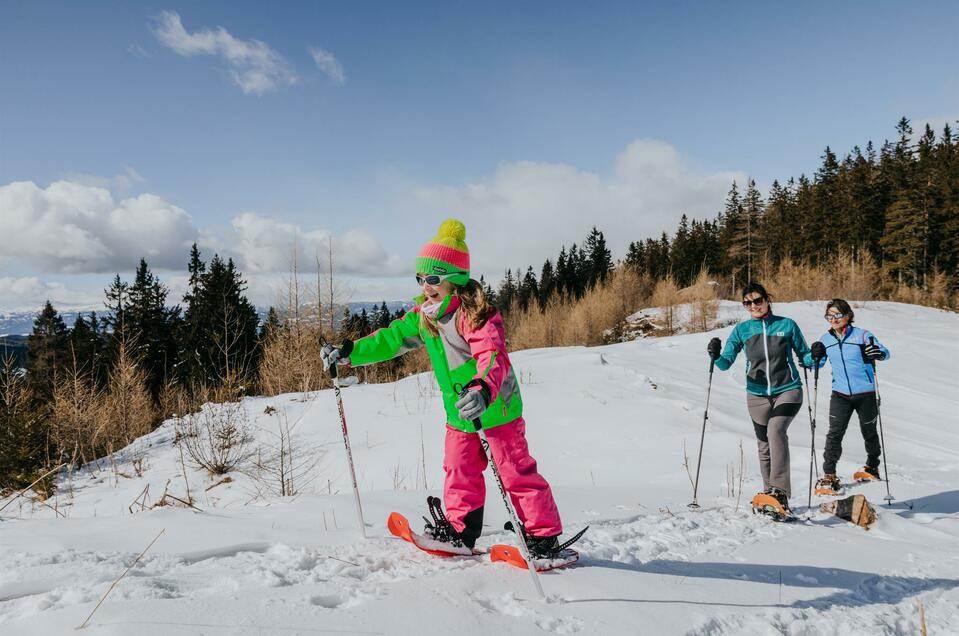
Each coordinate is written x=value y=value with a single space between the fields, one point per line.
x=23 y=431
x=636 y=256
x=47 y=352
x=506 y=292
x=271 y=325
x=734 y=237
x=680 y=254
x=151 y=328
x=528 y=291
x=547 y=284
x=488 y=291
x=819 y=241
x=220 y=325
x=598 y=257
x=902 y=242
x=752 y=213
x=89 y=349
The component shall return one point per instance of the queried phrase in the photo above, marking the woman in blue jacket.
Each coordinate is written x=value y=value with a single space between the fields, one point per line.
x=773 y=387
x=852 y=352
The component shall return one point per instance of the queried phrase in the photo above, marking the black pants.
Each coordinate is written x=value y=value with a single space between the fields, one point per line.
x=840 y=411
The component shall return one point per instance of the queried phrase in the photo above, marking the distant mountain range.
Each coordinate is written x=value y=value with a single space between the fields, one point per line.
x=20 y=323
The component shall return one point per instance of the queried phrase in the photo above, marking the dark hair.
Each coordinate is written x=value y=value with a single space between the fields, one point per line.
x=843 y=308
x=756 y=288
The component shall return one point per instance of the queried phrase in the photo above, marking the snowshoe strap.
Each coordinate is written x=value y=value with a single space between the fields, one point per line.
x=570 y=542
x=508 y=526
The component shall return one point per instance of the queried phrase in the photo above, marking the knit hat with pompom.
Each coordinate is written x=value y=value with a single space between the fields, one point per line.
x=446 y=253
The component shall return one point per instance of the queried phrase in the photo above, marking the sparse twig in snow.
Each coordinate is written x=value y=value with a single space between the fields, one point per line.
x=38 y=480
x=113 y=585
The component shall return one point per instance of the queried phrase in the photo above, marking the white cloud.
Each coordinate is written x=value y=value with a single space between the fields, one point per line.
x=77 y=228
x=328 y=63
x=29 y=294
x=125 y=181
x=253 y=65
x=137 y=51
x=524 y=211
x=261 y=244
x=71 y=227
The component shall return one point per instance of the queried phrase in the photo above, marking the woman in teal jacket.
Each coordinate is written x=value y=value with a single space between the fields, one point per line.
x=773 y=386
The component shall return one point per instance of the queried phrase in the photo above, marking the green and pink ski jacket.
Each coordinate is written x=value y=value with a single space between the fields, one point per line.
x=459 y=354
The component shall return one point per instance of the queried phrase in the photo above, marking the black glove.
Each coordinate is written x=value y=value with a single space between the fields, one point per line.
x=818 y=350
x=871 y=352
x=331 y=354
x=713 y=348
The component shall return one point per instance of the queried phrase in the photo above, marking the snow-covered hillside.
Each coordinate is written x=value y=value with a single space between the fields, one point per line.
x=608 y=426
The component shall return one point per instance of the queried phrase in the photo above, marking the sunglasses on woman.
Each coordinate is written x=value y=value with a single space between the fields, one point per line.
x=432 y=279
x=832 y=317
x=753 y=301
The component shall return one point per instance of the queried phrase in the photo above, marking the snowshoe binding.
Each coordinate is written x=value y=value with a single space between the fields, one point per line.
x=774 y=504
x=440 y=530
x=547 y=553
x=829 y=485
x=868 y=473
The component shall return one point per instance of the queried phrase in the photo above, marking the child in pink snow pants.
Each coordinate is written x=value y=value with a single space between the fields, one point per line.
x=464 y=337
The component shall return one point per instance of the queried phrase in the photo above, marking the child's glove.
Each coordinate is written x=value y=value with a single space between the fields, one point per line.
x=474 y=400
x=471 y=405
x=331 y=354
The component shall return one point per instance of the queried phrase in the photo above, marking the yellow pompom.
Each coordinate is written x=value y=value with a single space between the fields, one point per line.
x=451 y=228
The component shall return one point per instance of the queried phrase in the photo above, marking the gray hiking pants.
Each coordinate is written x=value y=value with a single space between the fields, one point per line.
x=771 y=417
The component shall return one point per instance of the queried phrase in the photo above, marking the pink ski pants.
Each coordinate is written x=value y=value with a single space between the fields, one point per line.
x=465 y=488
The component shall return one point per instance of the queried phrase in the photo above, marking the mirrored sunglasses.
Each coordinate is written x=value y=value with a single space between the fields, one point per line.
x=432 y=279
x=831 y=317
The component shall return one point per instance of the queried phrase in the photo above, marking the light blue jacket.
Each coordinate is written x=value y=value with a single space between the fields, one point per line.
x=851 y=375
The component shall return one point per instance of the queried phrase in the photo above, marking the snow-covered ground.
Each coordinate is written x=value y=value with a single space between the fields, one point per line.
x=608 y=426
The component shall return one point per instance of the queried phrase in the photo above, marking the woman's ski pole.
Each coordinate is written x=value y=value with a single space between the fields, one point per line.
x=346 y=443
x=709 y=387
x=812 y=426
x=885 y=457
x=517 y=526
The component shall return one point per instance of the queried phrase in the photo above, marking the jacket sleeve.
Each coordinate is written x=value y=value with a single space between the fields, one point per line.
x=866 y=335
x=803 y=352
x=488 y=346
x=402 y=335
x=733 y=346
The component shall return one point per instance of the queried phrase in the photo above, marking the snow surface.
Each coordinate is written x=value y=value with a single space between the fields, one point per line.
x=608 y=426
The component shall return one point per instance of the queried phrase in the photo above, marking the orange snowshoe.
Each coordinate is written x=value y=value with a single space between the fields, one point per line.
x=868 y=473
x=829 y=485
x=774 y=504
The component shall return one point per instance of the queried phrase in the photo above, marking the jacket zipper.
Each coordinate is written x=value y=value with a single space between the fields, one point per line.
x=843 y=358
x=769 y=382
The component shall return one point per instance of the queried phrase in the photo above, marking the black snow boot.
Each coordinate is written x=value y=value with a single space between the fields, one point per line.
x=543 y=547
x=440 y=529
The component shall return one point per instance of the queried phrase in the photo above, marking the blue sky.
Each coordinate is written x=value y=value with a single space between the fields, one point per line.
x=169 y=123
